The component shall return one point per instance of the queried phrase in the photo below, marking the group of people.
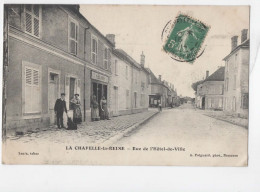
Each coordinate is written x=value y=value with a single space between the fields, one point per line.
x=95 y=106
x=60 y=108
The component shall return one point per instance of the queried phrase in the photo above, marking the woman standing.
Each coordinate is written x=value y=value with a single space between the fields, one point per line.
x=94 y=109
x=77 y=116
x=104 y=110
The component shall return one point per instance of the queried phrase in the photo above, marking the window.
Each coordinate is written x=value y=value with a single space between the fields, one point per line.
x=32 y=90
x=116 y=67
x=220 y=103
x=226 y=84
x=106 y=58
x=245 y=100
x=142 y=101
x=236 y=61
x=135 y=99
x=126 y=72
x=127 y=99
x=73 y=36
x=227 y=66
x=209 y=103
x=33 y=20
x=234 y=104
x=235 y=82
x=94 y=50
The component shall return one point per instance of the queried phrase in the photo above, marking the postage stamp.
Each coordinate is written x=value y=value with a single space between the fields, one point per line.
x=186 y=38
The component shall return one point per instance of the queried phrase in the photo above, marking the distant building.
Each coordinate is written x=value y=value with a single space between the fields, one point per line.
x=161 y=92
x=237 y=76
x=210 y=92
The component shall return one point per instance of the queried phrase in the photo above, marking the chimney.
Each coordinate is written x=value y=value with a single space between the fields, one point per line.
x=111 y=38
x=207 y=74
x=233 y=42
x=160 y=77
x=142 y=59
x=244 y=35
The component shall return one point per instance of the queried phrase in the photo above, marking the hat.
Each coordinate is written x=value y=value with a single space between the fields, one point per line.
x=77 y=94
x=62 y=94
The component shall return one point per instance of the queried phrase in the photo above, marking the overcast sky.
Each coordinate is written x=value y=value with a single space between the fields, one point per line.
x=139 y=28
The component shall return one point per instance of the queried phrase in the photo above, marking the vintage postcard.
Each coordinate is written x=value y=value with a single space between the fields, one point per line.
x=126 y=85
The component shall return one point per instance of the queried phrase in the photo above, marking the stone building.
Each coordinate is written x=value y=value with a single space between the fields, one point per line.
x=237 y=76
x=52 y=49
x=130 y=85
x=160 y=92
x=210 y=92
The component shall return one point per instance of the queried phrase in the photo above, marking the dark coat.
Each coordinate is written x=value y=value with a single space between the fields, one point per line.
x=60 y=106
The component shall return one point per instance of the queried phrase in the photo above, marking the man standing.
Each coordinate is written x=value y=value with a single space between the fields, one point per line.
x=59 y=108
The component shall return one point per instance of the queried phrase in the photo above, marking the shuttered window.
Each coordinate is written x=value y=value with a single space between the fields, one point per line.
x=106 y=58
x=32 y=90
x=94 y=50
x=73 y=37
x=32 y=19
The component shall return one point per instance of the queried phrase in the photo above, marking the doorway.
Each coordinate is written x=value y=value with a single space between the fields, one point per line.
x=71 y=90
x=203 y=103
x=53 y=94
x=99 y=90
x=116 y=101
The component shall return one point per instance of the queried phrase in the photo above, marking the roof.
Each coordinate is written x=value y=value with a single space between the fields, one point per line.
x=122 y=54
x=245 y=44
x=218 y=75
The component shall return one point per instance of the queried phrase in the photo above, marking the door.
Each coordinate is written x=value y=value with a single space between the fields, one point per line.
x=72 y=90
x=116 y=101
x=135 y=99
x=203 y=103
x=53 y=95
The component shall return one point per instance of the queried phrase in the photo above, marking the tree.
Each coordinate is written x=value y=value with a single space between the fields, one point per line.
x=194 y=85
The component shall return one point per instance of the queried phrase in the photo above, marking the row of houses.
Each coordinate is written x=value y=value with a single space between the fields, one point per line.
x=161 y=92
x=54 y=49
x=227 y=88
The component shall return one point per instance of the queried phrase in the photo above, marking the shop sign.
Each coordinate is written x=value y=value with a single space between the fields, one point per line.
x=99 y=77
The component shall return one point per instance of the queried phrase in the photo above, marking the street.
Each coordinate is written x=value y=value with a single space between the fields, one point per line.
x=189 y=128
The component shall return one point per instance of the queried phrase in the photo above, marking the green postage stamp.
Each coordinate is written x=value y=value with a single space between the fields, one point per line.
x=186 y=37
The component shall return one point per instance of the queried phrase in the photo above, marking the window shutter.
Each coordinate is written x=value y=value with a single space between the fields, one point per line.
x=28 y=90
x=72 y=46
x=36 y=27
x=72 y=30
x=28 y=22
x=36 y=10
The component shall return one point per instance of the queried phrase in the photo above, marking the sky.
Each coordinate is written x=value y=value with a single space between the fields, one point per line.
x=138 y=28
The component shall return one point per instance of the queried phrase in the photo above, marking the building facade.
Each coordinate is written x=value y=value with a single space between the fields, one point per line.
x=53 y=49
x=237 y=76
x=161 y=92
x=130 y=85
x=210 y=92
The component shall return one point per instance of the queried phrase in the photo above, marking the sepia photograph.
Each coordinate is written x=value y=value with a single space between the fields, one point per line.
x=153 y=85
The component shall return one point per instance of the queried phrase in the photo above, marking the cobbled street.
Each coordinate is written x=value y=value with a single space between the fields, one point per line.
x=91 y=132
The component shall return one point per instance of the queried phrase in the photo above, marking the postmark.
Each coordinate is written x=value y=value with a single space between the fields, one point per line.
x=186 y=38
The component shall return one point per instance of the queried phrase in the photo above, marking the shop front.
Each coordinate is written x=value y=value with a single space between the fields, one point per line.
x=99 y=86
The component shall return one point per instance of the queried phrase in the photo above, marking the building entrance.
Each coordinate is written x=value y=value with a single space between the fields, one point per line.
x=99 y=90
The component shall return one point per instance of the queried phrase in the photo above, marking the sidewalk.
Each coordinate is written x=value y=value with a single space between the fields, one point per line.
x=90 y=132
x=228 y=118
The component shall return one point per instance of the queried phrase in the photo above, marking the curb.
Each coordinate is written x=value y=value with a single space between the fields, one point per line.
x=115 y=138
x=227 y=121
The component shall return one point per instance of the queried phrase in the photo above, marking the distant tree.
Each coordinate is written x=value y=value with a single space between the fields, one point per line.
x=194 y=85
